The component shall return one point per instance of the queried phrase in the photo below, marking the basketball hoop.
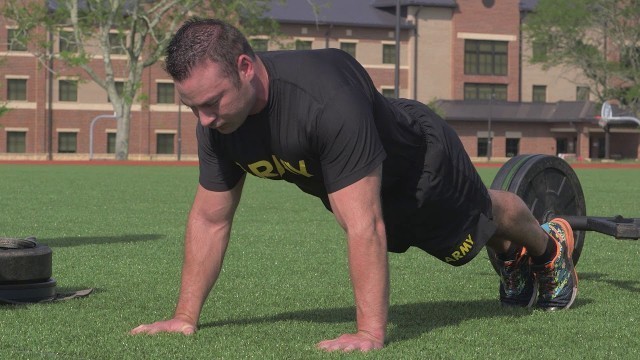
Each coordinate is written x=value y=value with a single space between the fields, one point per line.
x=607 y=112
x=606 y=118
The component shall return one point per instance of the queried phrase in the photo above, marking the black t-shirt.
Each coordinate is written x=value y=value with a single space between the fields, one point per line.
x=325 y=127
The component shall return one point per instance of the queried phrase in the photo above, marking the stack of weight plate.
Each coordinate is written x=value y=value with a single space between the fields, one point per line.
x=25 y=271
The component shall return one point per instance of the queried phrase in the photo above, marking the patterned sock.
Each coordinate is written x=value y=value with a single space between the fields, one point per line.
x=548 y=254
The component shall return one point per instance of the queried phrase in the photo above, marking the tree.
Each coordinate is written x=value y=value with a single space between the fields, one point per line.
x=3 y=109
x=95 y=30
x=599 y=37
x=3 y=106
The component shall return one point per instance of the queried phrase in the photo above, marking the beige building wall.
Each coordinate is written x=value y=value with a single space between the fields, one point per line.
x=434 y=66
x=561 y=81
x=369 y=43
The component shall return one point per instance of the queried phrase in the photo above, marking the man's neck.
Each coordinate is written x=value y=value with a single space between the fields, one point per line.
x=261 y=85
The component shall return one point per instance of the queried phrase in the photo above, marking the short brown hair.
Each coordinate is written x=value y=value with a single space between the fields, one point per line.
x=206 y=39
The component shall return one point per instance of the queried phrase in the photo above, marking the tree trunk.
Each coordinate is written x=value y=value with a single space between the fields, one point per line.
x=122 y=134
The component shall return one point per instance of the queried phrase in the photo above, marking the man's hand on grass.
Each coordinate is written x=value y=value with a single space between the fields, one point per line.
x=360 y=341
x=175 y=325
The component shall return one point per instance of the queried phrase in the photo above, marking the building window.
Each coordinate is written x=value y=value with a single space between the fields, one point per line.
x=539 y=51
x=582 y=93
x=303 y=45
x=389 y=92
x=512 y=147
x=539 y=93
x=483 y=57
x=119 y=89
x=67 y=42
x=629 y=57
x=349 y=48
x=482 y=147
x=67 y=142
x=111 y=143
x=566 y=145
x=485 y=91
x=68 y=90
x=164 y=144
x=259 y=44
x=388 y=54
x=166 y=93
x=16 y=141
x=596 y=146
x=13 y=43
x=117 y=43
x=17 y=89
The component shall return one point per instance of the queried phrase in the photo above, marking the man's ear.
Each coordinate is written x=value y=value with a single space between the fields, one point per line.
x=245 y=66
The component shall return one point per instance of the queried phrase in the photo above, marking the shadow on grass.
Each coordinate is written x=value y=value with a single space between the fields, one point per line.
x=410 y=320
x=628 y=285
x=97 y=240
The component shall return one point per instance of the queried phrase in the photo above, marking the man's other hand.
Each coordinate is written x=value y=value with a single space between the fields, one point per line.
x=174 y=325
x=360 y=341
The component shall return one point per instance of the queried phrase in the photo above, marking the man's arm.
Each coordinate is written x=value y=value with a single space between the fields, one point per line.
x=358 y=210
x=206 y=239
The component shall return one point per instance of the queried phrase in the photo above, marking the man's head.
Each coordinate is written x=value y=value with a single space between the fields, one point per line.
x=206 y=39
x=216 y=74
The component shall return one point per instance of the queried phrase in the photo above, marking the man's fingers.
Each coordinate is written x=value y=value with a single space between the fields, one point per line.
x=138 y=330
x=170 y=326
x=350 y=342
x=188 y=329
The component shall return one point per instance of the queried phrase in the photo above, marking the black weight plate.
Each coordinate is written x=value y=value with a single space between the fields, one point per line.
x=29 y=292
x=32 y=264
x=508 y=170
x=549 y=187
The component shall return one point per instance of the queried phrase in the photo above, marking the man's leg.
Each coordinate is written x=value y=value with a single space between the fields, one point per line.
x=528 y=259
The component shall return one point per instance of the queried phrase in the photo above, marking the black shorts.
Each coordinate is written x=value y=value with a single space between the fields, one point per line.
x=453 y=219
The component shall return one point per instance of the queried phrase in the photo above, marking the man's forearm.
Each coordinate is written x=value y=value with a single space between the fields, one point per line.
x=205 y=246
x=370 y=277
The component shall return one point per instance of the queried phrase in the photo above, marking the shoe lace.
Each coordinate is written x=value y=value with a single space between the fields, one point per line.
x=547 y=280
x=511 y=276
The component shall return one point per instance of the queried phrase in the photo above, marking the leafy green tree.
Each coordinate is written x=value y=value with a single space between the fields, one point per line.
x=599 y=37
x=139 y=30
x=3 y=106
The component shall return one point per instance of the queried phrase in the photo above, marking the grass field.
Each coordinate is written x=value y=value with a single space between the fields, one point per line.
x=284 y=285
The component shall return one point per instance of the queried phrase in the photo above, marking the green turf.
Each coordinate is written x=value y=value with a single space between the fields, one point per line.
x=284 y=285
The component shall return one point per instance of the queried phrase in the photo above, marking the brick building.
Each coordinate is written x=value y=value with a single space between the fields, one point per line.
x=467 y=58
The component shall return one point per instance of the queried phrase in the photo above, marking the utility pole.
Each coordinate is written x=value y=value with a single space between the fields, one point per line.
x=397 y=67
x=489 y=137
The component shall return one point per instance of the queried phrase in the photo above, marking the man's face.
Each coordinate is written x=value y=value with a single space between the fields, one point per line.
x=214 y=99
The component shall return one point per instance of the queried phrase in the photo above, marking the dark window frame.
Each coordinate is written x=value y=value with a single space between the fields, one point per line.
x=68 y=90
x=111 y=143
x=163 y=96
x=486 y=57
x=539 y=93
x=17 y=89
x=14 y=45
x=482 y=91
x=512 y=147
x=16 y=142
x=388 y=53
x=67 y=142
x=66 y=42
x=164 y=146
x=583 y=93
x=349 y=47
x=482 y=147
x=304 y=44
x=117 y=45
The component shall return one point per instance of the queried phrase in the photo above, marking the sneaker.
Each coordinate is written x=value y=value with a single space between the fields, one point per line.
x=517 y=287
x=557 y=280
